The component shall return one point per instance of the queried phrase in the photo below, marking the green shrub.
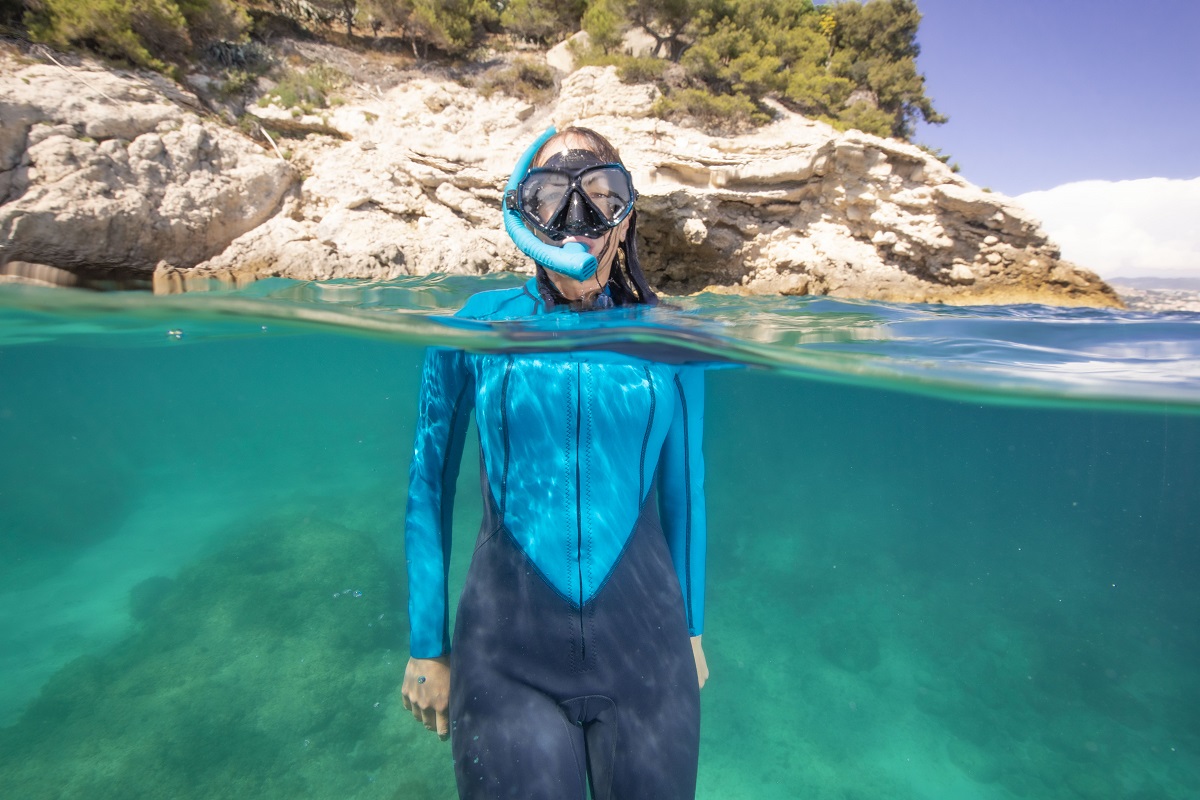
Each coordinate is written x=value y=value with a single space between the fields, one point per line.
x=526 y=79
x=541 y=20
x=631 y=69
x=815 y=91
x=722 y=114
x=237 y=83
x=641 y=69
x=866 y=118
x=214 y=20
x=146 y=33
x=937 y=153
x=530 y=19
x=448 y=25
x=306 y=90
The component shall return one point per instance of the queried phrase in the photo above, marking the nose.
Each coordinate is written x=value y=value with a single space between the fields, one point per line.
x=580 y=219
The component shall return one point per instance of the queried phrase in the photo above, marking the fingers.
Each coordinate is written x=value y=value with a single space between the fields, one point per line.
x=425 y=693
x=442 y=722
x=420 y=707
x=435 y=718
x=426 y=713
x=429 y=718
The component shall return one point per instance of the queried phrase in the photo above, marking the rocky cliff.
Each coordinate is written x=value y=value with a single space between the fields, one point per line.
x=101 y=169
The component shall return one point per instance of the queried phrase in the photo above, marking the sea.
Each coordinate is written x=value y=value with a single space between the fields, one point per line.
x=953 y=551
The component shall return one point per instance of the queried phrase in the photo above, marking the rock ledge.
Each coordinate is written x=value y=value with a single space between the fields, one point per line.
x=105 y=169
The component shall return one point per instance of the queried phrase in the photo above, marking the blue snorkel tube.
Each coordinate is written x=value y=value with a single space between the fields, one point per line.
x=571 y=259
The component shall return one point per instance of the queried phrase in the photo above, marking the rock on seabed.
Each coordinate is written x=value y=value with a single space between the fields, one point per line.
x=120 y=171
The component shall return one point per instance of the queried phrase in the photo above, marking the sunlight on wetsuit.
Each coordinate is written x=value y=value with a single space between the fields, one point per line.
x=572 y=638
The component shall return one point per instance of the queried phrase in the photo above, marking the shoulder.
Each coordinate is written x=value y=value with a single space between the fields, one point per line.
x=501 y=304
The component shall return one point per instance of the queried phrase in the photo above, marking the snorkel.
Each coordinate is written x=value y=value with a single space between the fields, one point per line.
x=571 y=259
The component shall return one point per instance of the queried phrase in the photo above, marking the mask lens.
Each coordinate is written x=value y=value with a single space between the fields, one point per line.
x=542 y=195
x=609 y=190
x=583 y=201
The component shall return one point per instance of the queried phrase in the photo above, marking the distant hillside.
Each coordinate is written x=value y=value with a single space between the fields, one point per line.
x=1186 y=284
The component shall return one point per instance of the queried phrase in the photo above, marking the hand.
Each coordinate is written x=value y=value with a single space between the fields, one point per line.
x=701 y=663
x=426 y=693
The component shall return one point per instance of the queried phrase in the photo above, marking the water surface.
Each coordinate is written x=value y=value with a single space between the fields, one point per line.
x=952 y=551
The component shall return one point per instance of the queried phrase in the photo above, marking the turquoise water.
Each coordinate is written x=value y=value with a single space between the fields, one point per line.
x=952 y=551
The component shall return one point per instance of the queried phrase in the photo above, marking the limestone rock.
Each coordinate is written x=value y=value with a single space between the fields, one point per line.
x=417 y=190
x=105 y=170
x=593 y=92
x=415 y=187
x=561 y=57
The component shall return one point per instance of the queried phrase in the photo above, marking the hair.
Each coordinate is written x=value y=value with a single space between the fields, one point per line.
x=626 y=282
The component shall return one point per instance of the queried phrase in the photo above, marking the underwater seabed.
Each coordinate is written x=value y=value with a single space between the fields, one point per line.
x=926 y=599
x=909 y=596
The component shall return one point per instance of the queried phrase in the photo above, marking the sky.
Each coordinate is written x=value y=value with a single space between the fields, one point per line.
x=1046 y=94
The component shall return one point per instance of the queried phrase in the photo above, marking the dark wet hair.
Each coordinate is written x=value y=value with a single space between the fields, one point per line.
x=626 y=282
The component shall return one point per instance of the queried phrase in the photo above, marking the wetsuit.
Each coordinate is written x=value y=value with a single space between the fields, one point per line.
x=571 y=658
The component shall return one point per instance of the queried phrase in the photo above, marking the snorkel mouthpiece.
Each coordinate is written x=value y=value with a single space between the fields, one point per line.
x=571 y=259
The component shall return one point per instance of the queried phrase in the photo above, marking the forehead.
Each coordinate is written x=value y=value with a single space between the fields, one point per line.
x=562 y=145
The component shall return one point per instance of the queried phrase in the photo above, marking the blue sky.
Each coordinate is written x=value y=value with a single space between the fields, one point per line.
x=1046 y=92
x=1085 y=111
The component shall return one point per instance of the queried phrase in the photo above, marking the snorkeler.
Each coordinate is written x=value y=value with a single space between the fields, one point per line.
x=576 y=651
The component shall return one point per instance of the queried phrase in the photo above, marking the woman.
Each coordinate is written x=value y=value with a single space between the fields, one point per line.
x=571 y=660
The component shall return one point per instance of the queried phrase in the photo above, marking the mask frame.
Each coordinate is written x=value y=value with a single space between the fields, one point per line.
x=576 y=214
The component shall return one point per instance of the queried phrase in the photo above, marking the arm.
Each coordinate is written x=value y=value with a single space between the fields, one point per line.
x=445 y=406
x=681 y=499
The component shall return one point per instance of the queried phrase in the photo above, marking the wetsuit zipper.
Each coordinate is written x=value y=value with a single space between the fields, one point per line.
x=579 y=504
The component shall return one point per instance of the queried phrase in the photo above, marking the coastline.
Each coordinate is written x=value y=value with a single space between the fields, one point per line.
x=114 y=171
x=1157 y=299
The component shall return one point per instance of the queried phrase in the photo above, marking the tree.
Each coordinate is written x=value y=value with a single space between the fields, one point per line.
x=875 y=47
x=347 y=10
x=605 y=22
x=850 y=63
x=448 y=25
x=756 y=47
x=542 y=20
x=384 y=13
x=536 y=20
x=669 y=22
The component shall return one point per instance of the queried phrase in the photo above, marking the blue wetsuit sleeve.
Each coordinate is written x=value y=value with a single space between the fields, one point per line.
x=681 y=493
x=447 y=397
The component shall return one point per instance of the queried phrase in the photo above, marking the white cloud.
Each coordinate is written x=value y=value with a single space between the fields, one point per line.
x=1124 y=228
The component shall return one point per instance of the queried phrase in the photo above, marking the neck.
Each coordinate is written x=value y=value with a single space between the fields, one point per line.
x=581 y=290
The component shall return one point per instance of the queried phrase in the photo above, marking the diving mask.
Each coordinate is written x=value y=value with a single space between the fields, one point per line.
x=574 y=194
